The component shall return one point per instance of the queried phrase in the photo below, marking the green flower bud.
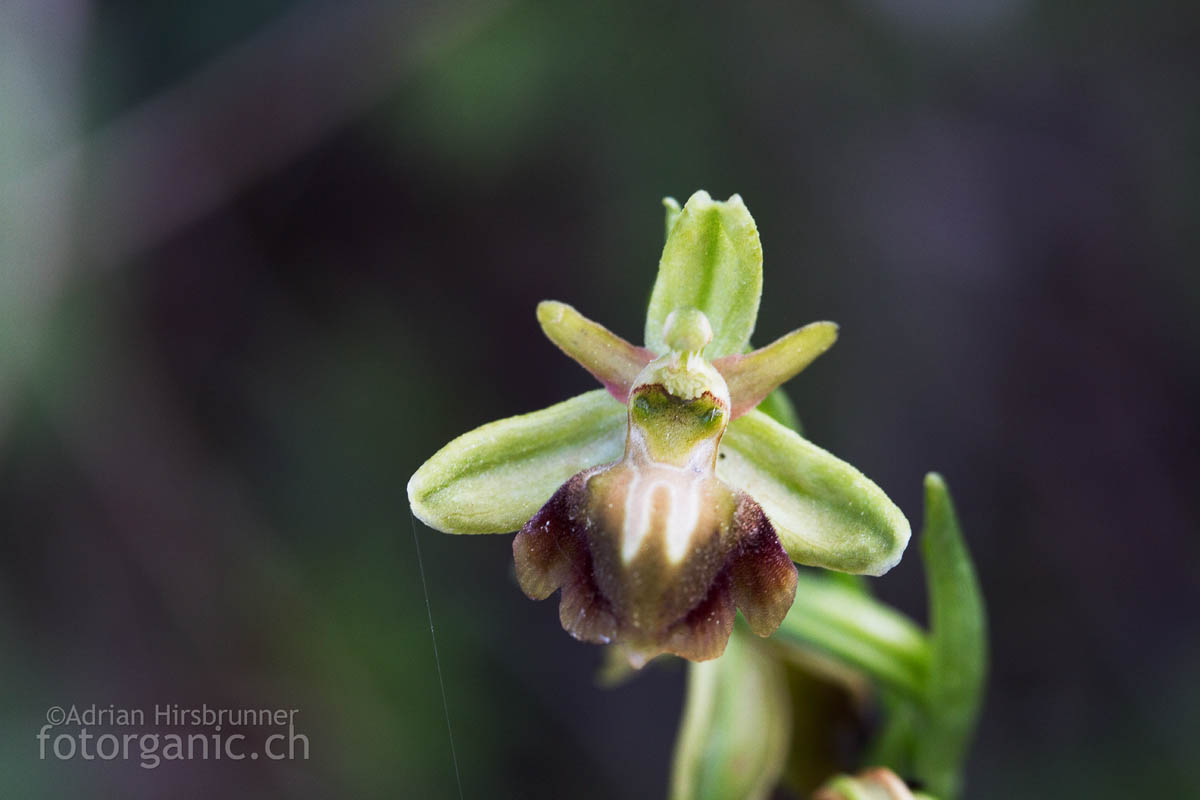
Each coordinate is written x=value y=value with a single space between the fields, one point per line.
x=878 y=783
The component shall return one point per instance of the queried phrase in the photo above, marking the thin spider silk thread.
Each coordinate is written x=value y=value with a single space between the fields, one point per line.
x=436 y=658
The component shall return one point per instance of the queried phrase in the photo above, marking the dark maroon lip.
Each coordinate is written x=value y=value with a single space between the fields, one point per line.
x=568 y=546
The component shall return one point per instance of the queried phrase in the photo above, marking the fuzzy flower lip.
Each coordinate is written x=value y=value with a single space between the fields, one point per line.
x=665 y=500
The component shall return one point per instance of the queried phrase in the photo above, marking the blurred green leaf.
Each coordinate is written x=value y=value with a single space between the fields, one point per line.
x=827 y=700
x=958 y=645
x=859 y=631
x=895 y=739
x=712 y=261
x=736 y=723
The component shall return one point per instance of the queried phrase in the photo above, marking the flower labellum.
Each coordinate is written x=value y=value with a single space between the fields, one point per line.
x=666 y=501
x=654 y=552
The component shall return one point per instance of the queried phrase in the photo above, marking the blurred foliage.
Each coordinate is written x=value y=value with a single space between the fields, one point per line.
x=734 y=735
x=856 y=654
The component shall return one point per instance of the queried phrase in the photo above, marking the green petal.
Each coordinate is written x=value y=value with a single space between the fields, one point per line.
x=733 y=741
x=826 y=513
x=958 y=644
x=751 y=376
x=712 y=262
x=611 y=360
x=494 y=478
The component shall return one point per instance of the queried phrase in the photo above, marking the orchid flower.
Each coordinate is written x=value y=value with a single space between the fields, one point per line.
x=663 y=502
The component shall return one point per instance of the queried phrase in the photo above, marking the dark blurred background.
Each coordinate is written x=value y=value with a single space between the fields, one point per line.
x=260 y=259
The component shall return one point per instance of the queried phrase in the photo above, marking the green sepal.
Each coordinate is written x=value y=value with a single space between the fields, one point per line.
x=712 y=261
x=958 y=645
x=733 y=740
x=494 y=478
x=825 y=512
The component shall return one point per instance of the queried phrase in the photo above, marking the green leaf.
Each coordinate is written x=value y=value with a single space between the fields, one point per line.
x=494 y=478
x=611 y=360
x=733 y=740
x=859 y=631
x=712 y=262
x=958 y=637
x=826 y=513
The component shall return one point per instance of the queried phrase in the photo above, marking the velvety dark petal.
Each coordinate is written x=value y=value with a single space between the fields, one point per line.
x=704 y=632
x=550 y=552
x=584 y=612
x=762 y=576
x=655 y=560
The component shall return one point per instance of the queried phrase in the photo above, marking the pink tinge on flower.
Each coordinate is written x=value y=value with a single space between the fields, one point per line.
x=655 y=559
